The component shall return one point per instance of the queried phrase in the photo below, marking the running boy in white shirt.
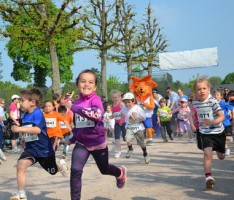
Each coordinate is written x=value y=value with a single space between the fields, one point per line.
x=134 y=115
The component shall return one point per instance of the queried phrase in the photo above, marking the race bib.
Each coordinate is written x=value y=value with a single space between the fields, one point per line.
x=205 y=113
x=62 y=124
x=134 y=128
x=117 y=115
x=163 y=113
x=50 y=122
x=82 y=122
x=183 y=115
x=28 y=137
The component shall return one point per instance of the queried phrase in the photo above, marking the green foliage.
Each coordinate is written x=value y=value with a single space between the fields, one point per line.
x=215 y=80
x=229 y=79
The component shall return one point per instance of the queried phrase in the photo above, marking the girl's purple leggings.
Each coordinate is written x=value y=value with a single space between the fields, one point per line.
x=80 y=156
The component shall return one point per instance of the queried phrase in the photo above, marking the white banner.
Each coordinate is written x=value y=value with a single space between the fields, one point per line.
x=189 y=59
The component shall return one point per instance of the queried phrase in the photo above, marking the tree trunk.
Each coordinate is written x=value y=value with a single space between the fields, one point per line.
x=55 y=68
x=103 y=72
x=129 y=68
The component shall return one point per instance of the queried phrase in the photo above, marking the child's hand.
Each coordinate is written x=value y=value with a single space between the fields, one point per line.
x=229 y=138
x=135 y=115
x=207 y=123
x=15 y=128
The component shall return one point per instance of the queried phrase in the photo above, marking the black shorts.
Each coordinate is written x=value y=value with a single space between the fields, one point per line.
x=47 y=163
x=216 y=141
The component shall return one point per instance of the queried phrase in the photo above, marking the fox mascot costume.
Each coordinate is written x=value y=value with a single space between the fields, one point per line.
x=142 y=89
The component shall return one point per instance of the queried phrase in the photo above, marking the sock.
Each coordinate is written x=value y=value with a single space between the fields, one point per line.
x=130 y=147
x=144 y=151
x=208 y=174
x=22 y=192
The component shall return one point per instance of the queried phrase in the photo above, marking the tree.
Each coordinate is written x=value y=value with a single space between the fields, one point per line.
x=36 y=21
x=229 y=79
x=1 y=65
x=154 y=42
x=215 y=80
x=100 y=24
x=128 y=47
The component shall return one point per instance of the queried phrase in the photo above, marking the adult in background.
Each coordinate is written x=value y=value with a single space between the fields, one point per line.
x=174 y=99
x=2 y=116
x=181 y=94
x=156 y=126
x=14 y=114
x=225 y=94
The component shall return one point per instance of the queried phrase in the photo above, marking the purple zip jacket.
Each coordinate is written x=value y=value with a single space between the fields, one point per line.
x=88 y=125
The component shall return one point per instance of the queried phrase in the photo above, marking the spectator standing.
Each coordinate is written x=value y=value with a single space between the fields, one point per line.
x=14 y=113
x=2 y=116
x=174 y=99
x=225 y=94
x=181 y=94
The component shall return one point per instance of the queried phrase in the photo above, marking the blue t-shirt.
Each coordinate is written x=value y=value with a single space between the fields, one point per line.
x=226 y=107
x=38 y=145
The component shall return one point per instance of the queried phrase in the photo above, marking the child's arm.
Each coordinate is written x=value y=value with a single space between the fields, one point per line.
x=218 y=120
x=25 y=129
x=174 y=111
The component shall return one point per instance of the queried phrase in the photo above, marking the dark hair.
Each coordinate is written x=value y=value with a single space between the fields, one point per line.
x=33 y=94
x=62 y=109
x=56 y=96
x=49 y=101
x=87 y=71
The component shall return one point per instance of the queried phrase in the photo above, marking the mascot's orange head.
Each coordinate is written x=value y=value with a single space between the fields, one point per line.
x=142 y=87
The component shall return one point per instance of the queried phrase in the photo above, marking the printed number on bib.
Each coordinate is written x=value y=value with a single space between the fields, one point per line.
x=117 y=115
x=82 y=122
x=205 y=113
x=62 y=124
x=134 y=128
x=50 y=122
x=28 y=137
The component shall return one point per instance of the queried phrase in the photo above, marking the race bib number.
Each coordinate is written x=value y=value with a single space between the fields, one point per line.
x=117 y=115
x=50 y=122
x=134 y=128
x=28 y=137
x=205 y=113
x=62 y=124
x=82 y=122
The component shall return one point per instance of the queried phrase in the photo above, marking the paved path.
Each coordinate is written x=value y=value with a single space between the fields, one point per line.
x=175 y=172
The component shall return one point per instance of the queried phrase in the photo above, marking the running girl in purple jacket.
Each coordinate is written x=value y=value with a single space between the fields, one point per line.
x=89 y=135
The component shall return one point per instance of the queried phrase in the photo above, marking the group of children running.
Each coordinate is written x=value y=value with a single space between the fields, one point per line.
x=41 y=132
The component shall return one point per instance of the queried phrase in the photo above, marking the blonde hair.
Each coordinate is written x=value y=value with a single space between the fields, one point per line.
x=200 y=80
x=116 y=92
x=162 y=100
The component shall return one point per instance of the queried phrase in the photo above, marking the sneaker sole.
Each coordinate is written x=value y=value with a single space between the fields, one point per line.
x=210 y=184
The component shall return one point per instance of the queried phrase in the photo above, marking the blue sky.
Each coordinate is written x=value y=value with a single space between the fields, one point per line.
x=187 y=24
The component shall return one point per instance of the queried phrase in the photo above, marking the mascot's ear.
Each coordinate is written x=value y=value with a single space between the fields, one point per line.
x=135 y=82
x=147 y=79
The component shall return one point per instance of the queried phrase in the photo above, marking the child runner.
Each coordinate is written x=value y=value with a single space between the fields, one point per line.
x=134 y=115
x=164 y=119
x=89 y=135
x=211 y=135
x=184 y=118
x=109 y=120
x=231 y=102
x=218 y=95
x=53 y=119
x=117 y=104
x=38 y=147
x=66 y=131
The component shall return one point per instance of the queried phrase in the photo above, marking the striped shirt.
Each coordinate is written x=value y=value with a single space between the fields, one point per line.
x=208 y=109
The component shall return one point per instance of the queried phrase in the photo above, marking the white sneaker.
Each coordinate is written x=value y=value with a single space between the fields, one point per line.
x=210 y=183
x=18 y=196
x=2 y=156
x=190 y=140
x=147 y=159
x=227 y=152
x=15 y=150
x=64 y=170
x=118 y=154
x=129 y=153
